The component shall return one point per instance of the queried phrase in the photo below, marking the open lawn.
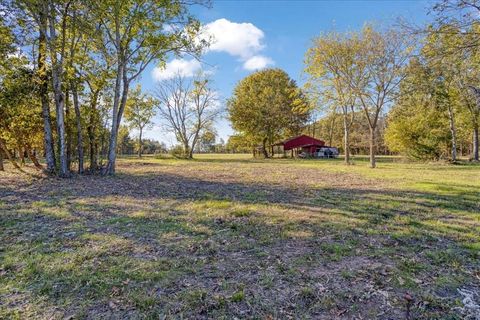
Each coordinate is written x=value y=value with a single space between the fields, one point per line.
x=228 y=236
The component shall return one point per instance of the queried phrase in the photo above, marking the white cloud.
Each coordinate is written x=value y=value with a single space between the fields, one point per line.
x=238 y=39
x=186 y=68
x=257 y=62
x=241 y=40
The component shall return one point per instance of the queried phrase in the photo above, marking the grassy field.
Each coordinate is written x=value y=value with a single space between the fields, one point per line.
x=228 y=237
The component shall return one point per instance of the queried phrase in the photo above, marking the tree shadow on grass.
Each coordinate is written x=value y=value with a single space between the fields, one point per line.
x=152 y=244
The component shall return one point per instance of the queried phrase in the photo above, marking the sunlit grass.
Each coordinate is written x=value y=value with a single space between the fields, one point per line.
x=226 y=236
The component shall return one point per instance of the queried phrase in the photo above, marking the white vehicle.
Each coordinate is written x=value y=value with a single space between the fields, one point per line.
x=326 y=152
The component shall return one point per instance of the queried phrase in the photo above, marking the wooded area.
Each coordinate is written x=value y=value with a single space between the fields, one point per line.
x=81 y=57
x=68 y=68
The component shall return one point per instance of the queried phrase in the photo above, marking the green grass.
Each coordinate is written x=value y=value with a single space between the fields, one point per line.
x=225 y=236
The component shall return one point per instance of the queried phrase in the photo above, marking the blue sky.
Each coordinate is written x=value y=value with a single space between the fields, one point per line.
x=255 y=34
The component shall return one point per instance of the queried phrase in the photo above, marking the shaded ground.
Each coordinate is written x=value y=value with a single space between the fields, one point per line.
x=224 y=238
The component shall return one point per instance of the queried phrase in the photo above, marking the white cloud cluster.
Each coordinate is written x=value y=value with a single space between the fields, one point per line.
x=183 y=67
x=238 y=39
x=241 y=40
x=257 y=62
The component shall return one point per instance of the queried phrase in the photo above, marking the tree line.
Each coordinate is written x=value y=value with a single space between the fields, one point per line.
x=69 y=90
x=400 y=90
x=419 y=84
x=67 y=70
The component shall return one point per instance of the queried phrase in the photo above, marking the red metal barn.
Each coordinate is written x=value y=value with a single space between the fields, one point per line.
x=301 y=144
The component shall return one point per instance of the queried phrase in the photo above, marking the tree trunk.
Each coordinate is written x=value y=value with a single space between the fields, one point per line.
x=346 y=133
x=59 y=101
x=57 y=70
x=21 y=154
x=118 y=107
x=186 y=150
x=373 y=163
x=140 y=146
x=264 y=148
x=76 y=106
x=43 y=86
x=112 y=146
x=9 y=155
x=453 y=131
x=92 y=139
x=330 y=133
x=1 y=161
x=475 y=143
x=68 y=128
x=33 y=158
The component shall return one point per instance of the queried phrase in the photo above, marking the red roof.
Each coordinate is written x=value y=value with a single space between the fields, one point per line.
x=300 y=141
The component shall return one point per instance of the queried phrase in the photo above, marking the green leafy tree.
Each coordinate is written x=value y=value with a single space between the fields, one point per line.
x=139 y=113
x=332 y=66
x=153 y=147
x=134 y=34
x=443 y=72
x=428 y=120
x=238 y=144
x=416 y=128
x=267 y=105
x=20 y=121
x=7 y=47
x=126 y=144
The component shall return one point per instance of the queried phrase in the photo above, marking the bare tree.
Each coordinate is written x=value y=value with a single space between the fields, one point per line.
x=187 y=107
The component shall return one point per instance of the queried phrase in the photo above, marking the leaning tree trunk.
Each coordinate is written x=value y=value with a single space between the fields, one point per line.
x=43 y=88
x=475 y=143
x=33 y=158
x=76 y=106
x=373 y=162
x=453 y=131
x=9 y=155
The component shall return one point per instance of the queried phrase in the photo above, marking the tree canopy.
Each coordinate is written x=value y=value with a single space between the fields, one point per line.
x=267 y=105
